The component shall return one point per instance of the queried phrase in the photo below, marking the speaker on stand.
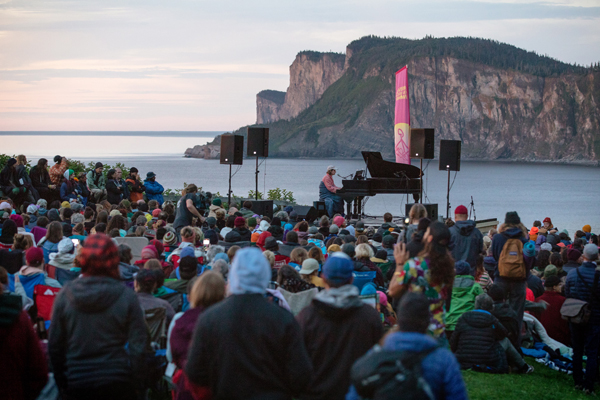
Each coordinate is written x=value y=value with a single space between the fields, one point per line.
x=258 y=146
x=232 y=153
x=422 y=147
x=449 y=161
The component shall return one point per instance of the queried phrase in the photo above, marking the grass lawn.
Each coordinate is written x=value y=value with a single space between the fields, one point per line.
x=543 y=383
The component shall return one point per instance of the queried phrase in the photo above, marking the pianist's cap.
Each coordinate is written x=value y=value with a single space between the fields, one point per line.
x=329 y=168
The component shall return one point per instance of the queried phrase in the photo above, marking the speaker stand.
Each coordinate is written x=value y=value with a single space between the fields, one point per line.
x=448 y=196
x=421 y=183
x=257 y=171
x=229 y=193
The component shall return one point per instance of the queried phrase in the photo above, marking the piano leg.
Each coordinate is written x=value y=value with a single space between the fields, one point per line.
x=359 y=200
x=349 y=210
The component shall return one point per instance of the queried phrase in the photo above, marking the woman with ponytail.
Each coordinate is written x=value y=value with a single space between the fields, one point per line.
x=430 y=273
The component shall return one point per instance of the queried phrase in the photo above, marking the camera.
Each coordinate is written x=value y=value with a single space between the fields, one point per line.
x=203 y=201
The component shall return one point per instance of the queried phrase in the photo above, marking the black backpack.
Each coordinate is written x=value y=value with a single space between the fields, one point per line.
x=381 y=375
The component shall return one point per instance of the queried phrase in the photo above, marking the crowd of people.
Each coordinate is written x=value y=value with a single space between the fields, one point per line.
x=112 y=291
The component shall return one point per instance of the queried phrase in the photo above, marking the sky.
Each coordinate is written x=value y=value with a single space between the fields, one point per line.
x=196 y=65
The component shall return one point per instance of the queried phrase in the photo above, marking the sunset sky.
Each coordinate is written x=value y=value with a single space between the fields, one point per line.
x=197 y=65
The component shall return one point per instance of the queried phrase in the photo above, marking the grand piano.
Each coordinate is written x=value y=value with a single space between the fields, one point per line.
x=386 y=177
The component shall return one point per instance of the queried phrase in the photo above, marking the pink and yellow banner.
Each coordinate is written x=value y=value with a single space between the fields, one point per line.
x=402 y=119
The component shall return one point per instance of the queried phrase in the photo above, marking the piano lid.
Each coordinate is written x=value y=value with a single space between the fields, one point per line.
x=379 y=168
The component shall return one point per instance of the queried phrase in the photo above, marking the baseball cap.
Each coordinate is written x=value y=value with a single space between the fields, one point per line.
x=309 y=266
x=338 y=268
x=34 y=256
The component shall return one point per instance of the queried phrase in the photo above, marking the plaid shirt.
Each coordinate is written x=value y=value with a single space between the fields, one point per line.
x=57 y=171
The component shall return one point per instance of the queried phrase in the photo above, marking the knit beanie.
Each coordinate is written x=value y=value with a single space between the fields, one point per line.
x=217 y=202
x=99 y=257
x=462 y=267
x=239 y=222
x=252 y=222
x=512 y=218
x=550 y=270
x=170 y=239
x=529 y=249
x=573 y=254
x=587 y=229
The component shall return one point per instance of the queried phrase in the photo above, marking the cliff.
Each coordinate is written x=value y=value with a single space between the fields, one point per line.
x=501 y=101
x=208 y=151
x=311 y=74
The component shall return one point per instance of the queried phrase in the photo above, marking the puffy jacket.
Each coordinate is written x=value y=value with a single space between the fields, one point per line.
x=94 y=318
x=509 y=320
x=466 y=242
x=91 y=180
x=576 y=289
x=475 y=342
x=154 y=191
x=66 y=191
x=136 y=189
x=464 y=291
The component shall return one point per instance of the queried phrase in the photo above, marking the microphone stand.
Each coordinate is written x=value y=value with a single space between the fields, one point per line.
x=472 y=208
x=448 y=195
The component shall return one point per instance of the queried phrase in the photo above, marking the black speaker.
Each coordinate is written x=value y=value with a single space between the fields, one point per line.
x=320 y=207
x=263 y=207
x=307 y=213
x=232 y=149
x=432 y=211
x=258 y=142
x=450 y=155
x=421 y=143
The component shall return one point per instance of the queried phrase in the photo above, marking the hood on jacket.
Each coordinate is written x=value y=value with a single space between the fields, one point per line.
x=411 y=341
x=338 y=303
x=127 y=271
x=513 y=233
x=93 y=294
x=264 y=225
x=478 y=318
x=463 y=282
x=10 y=309
x=465 y=228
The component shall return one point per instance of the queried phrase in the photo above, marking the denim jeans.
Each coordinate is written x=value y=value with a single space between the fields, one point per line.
x=333 y=203
x=514 y=292
x=585 y=339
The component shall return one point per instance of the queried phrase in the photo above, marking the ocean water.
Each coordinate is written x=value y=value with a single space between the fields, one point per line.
x=569 y=194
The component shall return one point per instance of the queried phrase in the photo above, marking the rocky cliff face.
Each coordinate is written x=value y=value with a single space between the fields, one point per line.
x=208 y=151
x=498 y=113
x=311 y=74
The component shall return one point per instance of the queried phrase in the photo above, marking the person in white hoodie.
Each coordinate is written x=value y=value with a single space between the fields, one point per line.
x=65 y=257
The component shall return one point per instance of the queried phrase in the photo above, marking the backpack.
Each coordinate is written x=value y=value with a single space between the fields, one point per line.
x=511 y=264
x=381 y=375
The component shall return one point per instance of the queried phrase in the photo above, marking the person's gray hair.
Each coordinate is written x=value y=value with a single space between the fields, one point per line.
x=213 y=251
x=484 y=302
x=282 y=215
x=221 y=267
x=363 y=251
x=77 y=218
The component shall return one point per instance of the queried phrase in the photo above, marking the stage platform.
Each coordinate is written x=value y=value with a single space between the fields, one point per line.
x=484 y=225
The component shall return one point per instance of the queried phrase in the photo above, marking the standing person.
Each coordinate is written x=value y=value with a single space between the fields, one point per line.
x=94 y=318
x=238 y=358
x=114 y=189
x=338 y=328
x=187 y=209
x=135 y=186
x=97 y=182
x=511 y=272
x=23 y=370
x=327 y=193
x=40 y=179
x=431 y=273
x=582 y=284
x=466 y=241
x=58 y=170
x=154 y=190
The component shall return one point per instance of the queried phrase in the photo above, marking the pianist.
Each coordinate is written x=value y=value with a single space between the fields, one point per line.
x=327 y=189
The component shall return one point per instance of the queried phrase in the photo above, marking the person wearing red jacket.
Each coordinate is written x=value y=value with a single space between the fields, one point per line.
x=556 y=327
x=23 y=370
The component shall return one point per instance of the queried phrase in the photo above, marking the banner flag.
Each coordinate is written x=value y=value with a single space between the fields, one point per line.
x=402 y=118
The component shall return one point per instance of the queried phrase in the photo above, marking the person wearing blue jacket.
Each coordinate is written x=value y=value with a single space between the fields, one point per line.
x=582 y=284
x=154 y=190
x=440 y=368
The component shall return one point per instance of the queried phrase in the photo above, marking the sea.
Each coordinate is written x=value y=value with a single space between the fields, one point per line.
x=569 y=194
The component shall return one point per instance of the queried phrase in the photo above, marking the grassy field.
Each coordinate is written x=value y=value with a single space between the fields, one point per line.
x=543 y=383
